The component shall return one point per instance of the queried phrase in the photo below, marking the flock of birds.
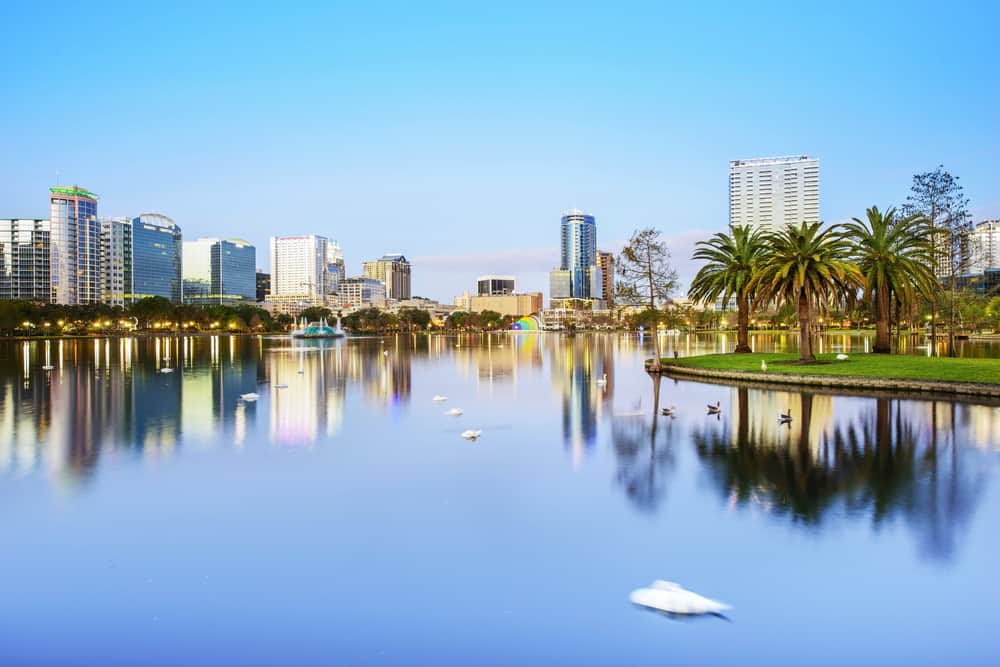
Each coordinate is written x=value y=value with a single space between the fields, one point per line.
x=716 y=410
x=469 y=433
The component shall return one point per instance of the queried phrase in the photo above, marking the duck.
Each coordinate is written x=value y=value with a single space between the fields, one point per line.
x=471 y=434
x=672 y=598
x=669 y=412
x=715 y=409
x=786 y=416
x=438 y=398
x=763 y=365
x=454 y=412
x=250 y=397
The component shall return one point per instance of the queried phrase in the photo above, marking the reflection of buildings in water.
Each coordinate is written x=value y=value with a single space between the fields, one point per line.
x=644 y=458
x=579 y=365
x=882 y=457
x=495 y=358
x=215 y=372
x=382 y=367
x=313 y=402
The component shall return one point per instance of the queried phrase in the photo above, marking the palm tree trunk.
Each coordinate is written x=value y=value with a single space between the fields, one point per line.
x=743 y=324
x=805 y=329
x=951 y=319
x=882 y=320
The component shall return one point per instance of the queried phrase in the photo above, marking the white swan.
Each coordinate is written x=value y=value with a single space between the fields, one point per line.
x=438 y=398
x=454 y=412
x=842 y=357
x=166 y=369
x=471 y=434
x=252 y=396
x=47 y=368
x=763 y=365
x=601 y=381
x=672 y=598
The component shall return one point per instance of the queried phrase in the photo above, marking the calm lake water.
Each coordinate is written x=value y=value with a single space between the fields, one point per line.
x=152 y=518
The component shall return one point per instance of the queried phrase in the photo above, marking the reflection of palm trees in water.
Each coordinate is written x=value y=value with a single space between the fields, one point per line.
x=873 y=464
x=644 y=463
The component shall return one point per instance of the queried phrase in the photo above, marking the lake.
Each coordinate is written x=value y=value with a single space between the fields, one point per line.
x=152 y=518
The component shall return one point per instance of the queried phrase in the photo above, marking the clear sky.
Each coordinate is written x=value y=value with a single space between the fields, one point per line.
x=457 y=134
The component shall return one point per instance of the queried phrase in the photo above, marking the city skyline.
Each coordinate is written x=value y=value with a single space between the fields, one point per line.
x=441 y=119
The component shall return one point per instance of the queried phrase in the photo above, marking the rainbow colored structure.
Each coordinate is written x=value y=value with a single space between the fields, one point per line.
x=528 y=323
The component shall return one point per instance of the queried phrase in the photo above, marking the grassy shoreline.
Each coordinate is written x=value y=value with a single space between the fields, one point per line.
x=873 y=367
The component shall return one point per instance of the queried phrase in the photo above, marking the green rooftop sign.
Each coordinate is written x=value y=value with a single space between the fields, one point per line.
x=73 y=192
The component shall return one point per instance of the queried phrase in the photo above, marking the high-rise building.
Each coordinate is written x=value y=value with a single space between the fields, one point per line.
x=140 y=257
x=578 y=276
x=606 y=263
x=493 y=285
x=219 y=271
x=984 y=247
x=25 y=260
x=393 y=269
x=75 y=246
x=305 y=271
x=769 y=193
x=263 y=286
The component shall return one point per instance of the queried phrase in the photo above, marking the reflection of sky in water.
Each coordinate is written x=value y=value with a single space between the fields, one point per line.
x=342 y=519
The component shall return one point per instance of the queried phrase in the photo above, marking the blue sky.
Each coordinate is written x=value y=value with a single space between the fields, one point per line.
x=458 y=134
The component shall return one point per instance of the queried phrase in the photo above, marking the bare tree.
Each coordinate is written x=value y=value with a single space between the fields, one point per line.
x=938 y=196
x=645 y=277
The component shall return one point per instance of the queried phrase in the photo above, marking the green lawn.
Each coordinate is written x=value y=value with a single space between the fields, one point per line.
x=859 y=365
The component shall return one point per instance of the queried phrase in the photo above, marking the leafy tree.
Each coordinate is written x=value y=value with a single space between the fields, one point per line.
x=809 y=267
x=315 y=313
x=732 y=261
x=645 y=276
x=895 y=256
x=940 y=198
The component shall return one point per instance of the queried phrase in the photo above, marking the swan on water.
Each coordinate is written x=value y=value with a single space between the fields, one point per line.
x=601 y=381
x=438 y=398
x=454 y=412
x=715 y=409
x=672 y=598
x=252 y=396
x=471 y=434
x=47 y=368
x=166 y=369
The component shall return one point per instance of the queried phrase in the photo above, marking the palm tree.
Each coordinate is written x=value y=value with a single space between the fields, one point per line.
x=895 y=255
x=732 y=262
x=808 y=267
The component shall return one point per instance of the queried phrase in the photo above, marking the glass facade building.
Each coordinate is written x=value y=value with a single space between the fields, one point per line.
x=578 y=259
x=219 y=271
x=140 y=258
x=75 y=254
x=393 y=270
x=25 y=260
x=494 y=285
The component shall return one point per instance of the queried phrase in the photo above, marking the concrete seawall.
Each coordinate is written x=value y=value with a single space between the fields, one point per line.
x=836 y=381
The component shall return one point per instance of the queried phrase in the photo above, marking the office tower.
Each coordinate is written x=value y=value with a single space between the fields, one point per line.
x=769 y=193
x=263 y=286
x=361 y=291
x=219 y=271
x=305 y=271
x=393 y=269
x=578 y=276
x=984 y=247
x=493 y=285
x=25 y=260
x=140 y=257
x=75 y=237
x=606 y=263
